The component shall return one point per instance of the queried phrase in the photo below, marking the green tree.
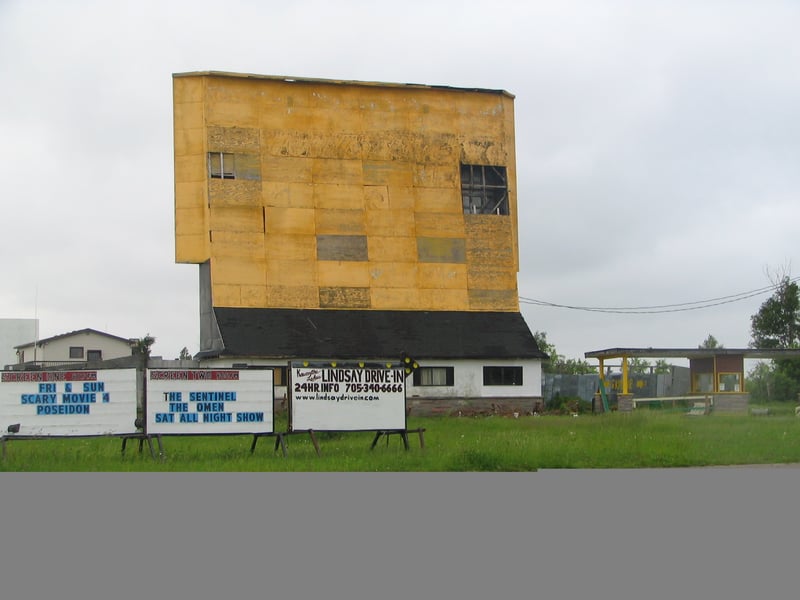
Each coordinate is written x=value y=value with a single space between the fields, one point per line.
x=638 y=366
x=141 y=346
x=777 y=322
x=547 y=348
x=185 y=354
x=557 y=363
x=777 y=325
x=710 y=343
x=662 y=366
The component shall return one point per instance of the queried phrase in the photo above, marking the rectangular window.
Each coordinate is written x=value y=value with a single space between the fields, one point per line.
x=484 y=190
x=434 y=376
x=730 y=382
x=221 y=165
x=94 y=355
x=76 y=351
x=702 y=382
x=502 y=375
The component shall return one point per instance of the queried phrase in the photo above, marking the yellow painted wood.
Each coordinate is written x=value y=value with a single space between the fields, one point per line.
x=390 y=223
x=343 y=159
x=291 y=247
x=442 y=276
x=332 y=273
x=282 y=221
x=393 y=274
x=392 y=249
x=292 y=296
x=394 y=298
x=340 y=221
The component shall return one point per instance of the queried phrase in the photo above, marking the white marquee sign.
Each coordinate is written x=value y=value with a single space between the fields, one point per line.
x=347 y=397
x=209 y=401
x=68 y=403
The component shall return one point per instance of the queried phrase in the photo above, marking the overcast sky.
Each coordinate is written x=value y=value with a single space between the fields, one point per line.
x=658 y=148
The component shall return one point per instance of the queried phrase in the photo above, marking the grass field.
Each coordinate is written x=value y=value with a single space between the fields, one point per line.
x=642 y=439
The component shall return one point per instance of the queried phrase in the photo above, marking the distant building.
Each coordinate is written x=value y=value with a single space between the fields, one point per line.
x=84 y=345
x=340 y=220
x=12 y=333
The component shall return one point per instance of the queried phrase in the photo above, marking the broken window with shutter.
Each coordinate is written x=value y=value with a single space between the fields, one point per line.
x=484 y=190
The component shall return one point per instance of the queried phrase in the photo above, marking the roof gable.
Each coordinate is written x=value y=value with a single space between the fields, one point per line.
x=76 y=333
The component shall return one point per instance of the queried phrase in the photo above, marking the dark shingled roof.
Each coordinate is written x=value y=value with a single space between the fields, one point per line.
x=349 y=334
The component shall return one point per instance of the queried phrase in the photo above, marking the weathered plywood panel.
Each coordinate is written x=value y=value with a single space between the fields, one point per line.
x=192 y=248
x=286 y=169
x=441 y=250
x=240 y=244
x=442 y=276
x=226 y=295
x=191 y=194
x=339 y=196
x=440 y=149
x=376 y=197
x=325 y=119
x=284 y=141
x=191 y=220
x=236 y=218
x=291 y=247
x=235 y=270
x=227 y=89
x=392 y=249
x=342 y=297
x=389 y=223
x=500 y=300
x=290 y=272
x=234 y=192
x=244 y=140
x=402 y=198
x=289 y=220
x=190 y=168
x=294 y=195
x=394 y=298
x=189 y=141
x=439 y=200
x=490 y=242
x=247 y=166
x=388 y=173
x=393 y=274
x=232 y=114
x=253 y=296
x=439 y=225
x=394 y=146
x=486 y=151
x=384 y=120
x=287 y=296
x=443 y=299
x=342 y=247
x=188 y=115
x=335 y=171
x=437 y=176
x=343 y=274
x=340 y=222
x=187 y=89
x=491 y=279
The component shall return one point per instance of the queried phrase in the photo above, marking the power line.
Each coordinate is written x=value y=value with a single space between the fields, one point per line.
x=663 y=308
